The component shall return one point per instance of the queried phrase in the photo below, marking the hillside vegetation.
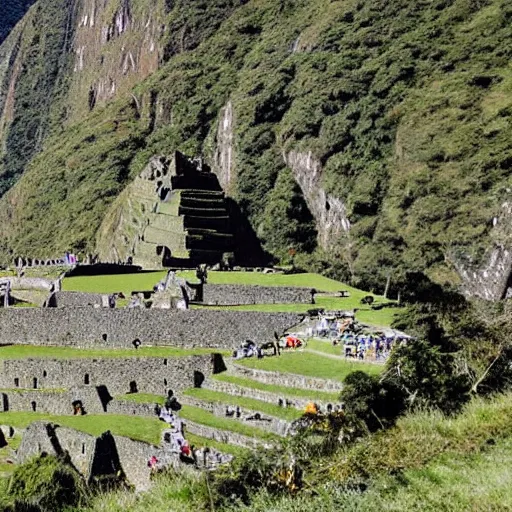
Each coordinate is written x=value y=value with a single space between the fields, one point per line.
x=404 y=107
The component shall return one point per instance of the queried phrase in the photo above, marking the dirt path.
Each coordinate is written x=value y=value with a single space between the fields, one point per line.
x=341 y=358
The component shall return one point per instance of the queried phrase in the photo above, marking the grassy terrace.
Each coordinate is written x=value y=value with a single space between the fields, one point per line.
x=146 y=280
x=222 y=398
x=278 y=390
x=134 y=427
x=208 y=395
x=310 y=365
x=207 y=418
x=198 y=441
x=27 y=351
x=125 y=283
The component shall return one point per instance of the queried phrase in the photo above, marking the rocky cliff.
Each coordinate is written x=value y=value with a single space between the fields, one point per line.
x=371 y=137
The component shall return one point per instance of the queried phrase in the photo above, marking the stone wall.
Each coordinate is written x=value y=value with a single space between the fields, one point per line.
x=257 y=394
x=74 y=300
x=61 y=403
x=231 y=294
x=85 y=450
x=119 y=375
x=269 y=423
x=286 y=379
x=223 y=436
x=104 y=328
x=42 y=437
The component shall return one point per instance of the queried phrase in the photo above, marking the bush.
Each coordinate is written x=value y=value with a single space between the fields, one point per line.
x=46 y=484
x=368 y=399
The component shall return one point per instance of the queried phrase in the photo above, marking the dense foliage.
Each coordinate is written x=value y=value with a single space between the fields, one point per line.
x=405 y=104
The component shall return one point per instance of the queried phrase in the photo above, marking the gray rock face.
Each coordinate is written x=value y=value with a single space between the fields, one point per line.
x=329 y=212
x=491 y=279
x=224 y=158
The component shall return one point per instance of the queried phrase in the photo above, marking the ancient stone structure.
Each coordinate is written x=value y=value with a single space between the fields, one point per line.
x=75 y=300
x=289 y=379
x=95 y=457
x=117 y=375
x=173 y=214
x=232 y=294
x=97 y=328
x=243 y=415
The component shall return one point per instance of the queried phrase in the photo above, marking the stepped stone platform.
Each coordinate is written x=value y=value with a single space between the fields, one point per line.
x=278 y=399
x=173 y=215
x=269 y=423
x=285 y=379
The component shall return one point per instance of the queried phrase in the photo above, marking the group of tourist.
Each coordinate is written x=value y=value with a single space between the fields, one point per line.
x=372 y=347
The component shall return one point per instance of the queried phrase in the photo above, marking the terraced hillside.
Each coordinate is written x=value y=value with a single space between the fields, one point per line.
x=251 y=403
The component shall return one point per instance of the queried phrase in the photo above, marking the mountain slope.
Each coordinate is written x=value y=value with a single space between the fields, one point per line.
x=387 y=124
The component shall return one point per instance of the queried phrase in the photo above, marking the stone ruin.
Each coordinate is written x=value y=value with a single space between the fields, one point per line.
x=174 y=214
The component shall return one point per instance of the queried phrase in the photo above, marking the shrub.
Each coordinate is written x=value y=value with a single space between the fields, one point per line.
x=46 y=484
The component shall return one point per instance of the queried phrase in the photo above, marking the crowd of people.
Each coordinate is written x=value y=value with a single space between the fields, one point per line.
x=355 y=340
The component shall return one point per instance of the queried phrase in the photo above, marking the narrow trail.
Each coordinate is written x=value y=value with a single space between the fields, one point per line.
x=341 y=358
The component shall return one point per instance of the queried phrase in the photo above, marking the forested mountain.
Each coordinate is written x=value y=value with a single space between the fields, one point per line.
x=373 y=137
x=11 y=11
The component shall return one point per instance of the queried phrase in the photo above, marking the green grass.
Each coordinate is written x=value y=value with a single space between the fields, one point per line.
x=6 y=454
x=207 y=418
x=326 y=347
x=125 y=283
x=310 y=365
x=208 y=395
x=142 y=398
x=145 y=281
x=26 y=351
x=278 y=390
x=307 y=280
x=451 y=483
x=134 y=427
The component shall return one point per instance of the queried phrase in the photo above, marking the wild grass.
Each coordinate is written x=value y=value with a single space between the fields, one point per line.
x=280 y=391
x=419 y=438
x=208 y=395
x=310 y=365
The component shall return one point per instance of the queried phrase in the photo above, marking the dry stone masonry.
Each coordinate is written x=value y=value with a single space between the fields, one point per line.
x=119 y=328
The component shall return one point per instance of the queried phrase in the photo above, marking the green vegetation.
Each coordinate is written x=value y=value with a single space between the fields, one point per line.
x=207 y=418
x=249 y=403
x=45 y=484
x=280 y=390
x=26 y=351
x=125 y=283
x=372 y=90
x=134 y=427
x=310 y=365
x=426 y=462
x=142 y=398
